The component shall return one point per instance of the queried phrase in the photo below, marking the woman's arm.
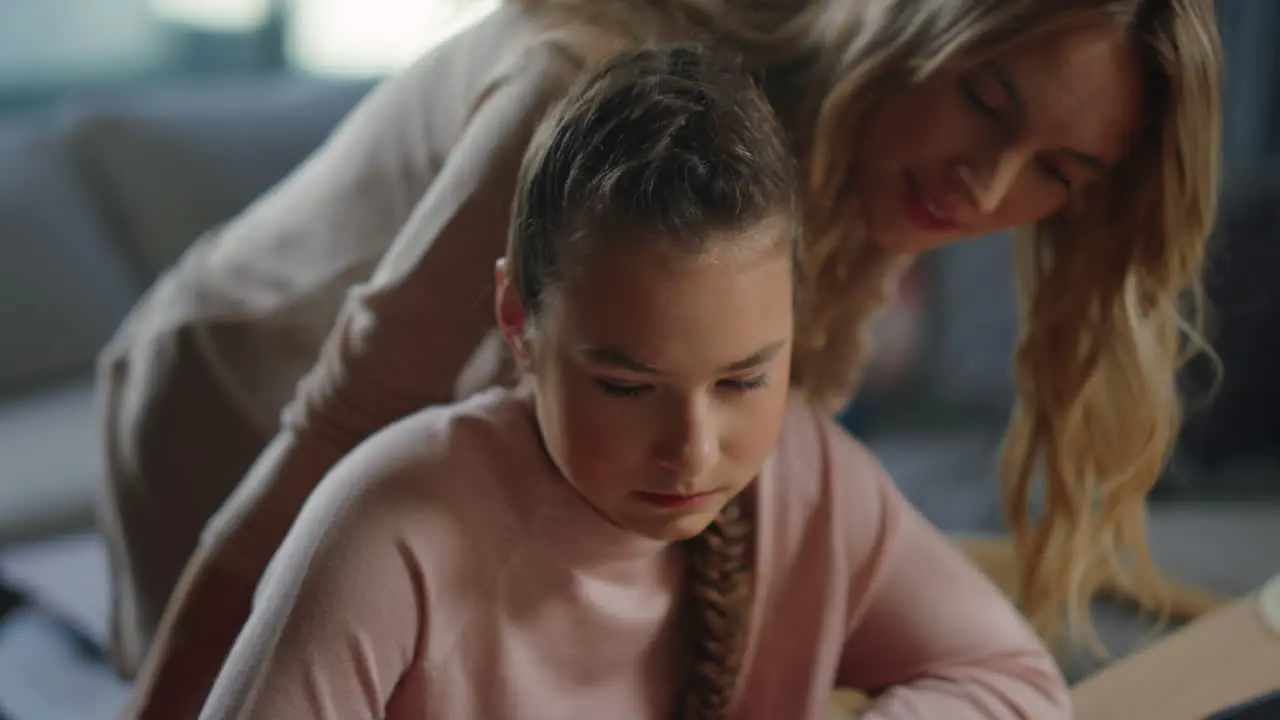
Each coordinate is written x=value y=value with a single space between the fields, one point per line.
x=339 y=617
x=930 y=636
x=397 y=346
x=209 y=606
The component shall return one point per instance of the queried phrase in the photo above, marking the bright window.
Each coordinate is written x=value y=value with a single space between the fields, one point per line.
x=216 y=15
x=51 y=42
x=364 y=37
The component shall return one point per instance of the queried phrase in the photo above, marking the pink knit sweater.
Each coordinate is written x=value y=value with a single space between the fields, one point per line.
x=446 y=570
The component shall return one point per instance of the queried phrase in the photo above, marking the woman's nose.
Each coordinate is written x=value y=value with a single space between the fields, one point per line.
x=989 y=183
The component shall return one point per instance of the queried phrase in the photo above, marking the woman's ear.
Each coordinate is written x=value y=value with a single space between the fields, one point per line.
x=510 y=314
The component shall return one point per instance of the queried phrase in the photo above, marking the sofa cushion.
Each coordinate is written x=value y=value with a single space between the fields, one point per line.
x=950 y=475
x=63 y=288
x=170 y=163
x=975 y=323
x=1244 y=325
x=51 y=462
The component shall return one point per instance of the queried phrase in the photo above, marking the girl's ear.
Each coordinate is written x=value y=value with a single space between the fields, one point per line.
x=510 y=314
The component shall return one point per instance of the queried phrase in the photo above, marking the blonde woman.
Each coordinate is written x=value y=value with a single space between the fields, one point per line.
x=1092 y=125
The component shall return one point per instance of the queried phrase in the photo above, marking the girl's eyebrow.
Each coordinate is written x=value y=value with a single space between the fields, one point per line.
x=618 y=359
x=755 y=359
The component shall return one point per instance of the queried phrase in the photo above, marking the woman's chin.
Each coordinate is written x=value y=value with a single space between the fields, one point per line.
x=904 y=243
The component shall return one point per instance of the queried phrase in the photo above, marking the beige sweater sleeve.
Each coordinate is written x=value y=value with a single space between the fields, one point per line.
x=402 y=338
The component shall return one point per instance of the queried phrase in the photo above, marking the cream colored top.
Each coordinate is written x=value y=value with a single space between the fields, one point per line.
x=424 y=168
x=384 y=242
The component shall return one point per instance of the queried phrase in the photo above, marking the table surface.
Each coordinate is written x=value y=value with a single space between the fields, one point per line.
x=1229 y=656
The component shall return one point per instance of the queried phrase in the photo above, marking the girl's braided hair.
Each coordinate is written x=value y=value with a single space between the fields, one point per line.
x=674 y=145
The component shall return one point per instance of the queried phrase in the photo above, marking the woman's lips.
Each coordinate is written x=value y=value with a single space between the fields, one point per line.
x=923 y=213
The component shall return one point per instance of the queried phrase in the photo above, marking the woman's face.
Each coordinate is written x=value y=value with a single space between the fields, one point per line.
x=662 y=381
x=1002 y=146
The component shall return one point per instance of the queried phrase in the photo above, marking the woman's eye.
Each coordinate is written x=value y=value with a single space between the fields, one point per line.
x=1055 y=173
x=743 y=384
x=620 y=389
x=980 y=101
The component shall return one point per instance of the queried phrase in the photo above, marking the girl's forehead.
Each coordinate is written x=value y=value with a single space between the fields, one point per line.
x=680 y=313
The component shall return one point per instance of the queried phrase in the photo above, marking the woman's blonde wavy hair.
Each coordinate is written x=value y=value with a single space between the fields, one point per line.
x=1108 y=287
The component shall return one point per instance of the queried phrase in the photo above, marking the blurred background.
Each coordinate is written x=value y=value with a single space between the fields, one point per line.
x=127 y=127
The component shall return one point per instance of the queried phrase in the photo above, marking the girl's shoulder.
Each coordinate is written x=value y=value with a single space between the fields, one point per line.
x=445 y=490
x=495 y=427
x=459 y=460
x=820 y=474
x=813 y=445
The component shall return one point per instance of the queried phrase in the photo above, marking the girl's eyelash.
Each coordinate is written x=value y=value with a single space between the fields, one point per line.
x=622 y=389
x=754 y=382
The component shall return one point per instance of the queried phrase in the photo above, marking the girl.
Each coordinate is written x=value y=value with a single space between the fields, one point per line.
x=1092 y=124
x=654 y=524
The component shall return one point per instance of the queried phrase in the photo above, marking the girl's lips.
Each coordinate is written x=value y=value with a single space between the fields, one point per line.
x=675 y=501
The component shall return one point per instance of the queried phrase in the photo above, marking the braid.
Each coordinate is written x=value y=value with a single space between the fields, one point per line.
x=720 y=566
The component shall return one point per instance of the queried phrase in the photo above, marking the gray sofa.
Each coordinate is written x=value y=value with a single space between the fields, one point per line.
x=98 y=196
